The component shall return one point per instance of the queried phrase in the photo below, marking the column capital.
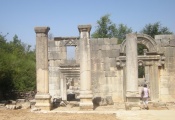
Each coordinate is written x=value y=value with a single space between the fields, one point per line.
x=42 y=29
x=84 y=28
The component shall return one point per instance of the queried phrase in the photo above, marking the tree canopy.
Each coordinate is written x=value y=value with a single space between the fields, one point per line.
x=17 y=66
x=107 y=29
x=155 y=29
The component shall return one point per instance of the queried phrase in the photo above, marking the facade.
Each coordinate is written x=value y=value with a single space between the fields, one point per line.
x=103 y=70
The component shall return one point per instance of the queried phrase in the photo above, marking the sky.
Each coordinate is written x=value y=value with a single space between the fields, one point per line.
x=63 y=16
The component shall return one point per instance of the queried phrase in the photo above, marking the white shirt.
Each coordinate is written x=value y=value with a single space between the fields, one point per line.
x=146 y=92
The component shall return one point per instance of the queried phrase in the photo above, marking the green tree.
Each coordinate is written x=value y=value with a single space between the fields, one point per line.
x=107 y=29
x=122 y=30
x=17 y=61
x=155 y=29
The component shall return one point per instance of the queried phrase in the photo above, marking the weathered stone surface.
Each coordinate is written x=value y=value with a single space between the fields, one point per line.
x=98 y=58
x=107 y=41
x=42 y=97
x=172 y=43
x=100 y=41
x=109 y=100
x=114 y=41
x=51 y=43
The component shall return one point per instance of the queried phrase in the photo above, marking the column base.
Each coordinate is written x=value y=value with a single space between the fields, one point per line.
x=86 y=100
x=43 y=101
x=132 y=96
x=86 y=105
x=132 y=100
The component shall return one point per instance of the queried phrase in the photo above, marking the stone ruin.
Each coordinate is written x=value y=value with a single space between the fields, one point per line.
x=103 y=72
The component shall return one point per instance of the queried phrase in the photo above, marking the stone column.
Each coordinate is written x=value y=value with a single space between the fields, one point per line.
x=42 y=97
x=131 y=68
x=85 y=68
x=63 y=89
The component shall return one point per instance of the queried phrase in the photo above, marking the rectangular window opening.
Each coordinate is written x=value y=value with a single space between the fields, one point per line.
x=70 y=52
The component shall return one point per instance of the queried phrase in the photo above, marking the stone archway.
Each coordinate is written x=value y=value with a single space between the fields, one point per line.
x=152 y=61
x=144 y=39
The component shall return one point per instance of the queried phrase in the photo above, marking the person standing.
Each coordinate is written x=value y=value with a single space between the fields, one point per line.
x=145 y=96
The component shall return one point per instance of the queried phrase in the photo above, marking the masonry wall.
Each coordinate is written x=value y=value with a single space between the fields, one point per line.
x=56 y=56
x=167 y=74
x=106 y=78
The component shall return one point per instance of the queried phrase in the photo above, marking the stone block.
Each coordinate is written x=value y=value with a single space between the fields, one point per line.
x=95 y=48
x=103 y=102
x=164 y=91
x=51 y=43
x=172 y=43
x=165 y=36
x=63 y=56
x=114 y=41
x=103 y=47
x=110 y=74
x=106 y=41
x=53 y=74
x=99 y=54
x=100 y=41
x=103 y=53
x=63 y=49
x=114 y=53
x=107 y=66
x=100 y=67
x=53 y=68
x=53 y=55
x=132 y=105
x=108 y=47
x=108 y=53
x=164 y=83
x=53 y=80
x=159 y=104
x=169 y=52
x=57 y=43
x=99 y=47
x=112 y=62
x=164 y=42
x=115 y=47
x=165 y=78
x=62 y=43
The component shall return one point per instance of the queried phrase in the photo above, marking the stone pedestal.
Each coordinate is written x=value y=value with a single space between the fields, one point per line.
x=42 y=97
x=85 y=68
x=132 y=93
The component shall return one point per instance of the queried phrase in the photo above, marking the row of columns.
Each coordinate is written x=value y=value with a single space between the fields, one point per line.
x=42 y=97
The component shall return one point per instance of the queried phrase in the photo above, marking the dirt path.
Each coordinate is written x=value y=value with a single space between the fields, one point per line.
x=27 y=115
x=88 y=115
x=146 y=115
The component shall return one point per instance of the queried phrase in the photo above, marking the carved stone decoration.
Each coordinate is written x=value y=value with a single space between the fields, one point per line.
x=142 y=39
x=71 y=42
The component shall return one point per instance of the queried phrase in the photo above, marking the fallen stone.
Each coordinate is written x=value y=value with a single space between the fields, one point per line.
x=12 y=107
x=62 y=104
x=35 y=109
x=109 y=100
x=26 y=105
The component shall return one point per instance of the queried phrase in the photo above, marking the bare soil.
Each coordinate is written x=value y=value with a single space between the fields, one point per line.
x=22 y=114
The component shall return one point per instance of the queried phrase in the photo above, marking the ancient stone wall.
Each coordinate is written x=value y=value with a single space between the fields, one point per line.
x=57 y=56
x=167 y=74
x=106 y=78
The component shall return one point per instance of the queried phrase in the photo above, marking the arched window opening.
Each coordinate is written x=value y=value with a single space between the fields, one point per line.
x=141 y=71
x=140 y=49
